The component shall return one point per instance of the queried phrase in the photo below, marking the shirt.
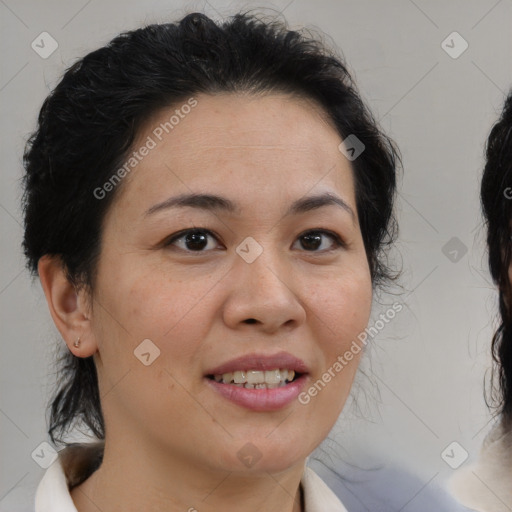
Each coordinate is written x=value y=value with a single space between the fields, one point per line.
x=486 y=485
x=53 y=491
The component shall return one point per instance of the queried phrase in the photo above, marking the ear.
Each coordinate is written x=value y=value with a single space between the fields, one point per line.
x=69 y=308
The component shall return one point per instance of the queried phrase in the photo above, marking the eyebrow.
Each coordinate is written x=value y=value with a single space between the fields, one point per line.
x=213 y=202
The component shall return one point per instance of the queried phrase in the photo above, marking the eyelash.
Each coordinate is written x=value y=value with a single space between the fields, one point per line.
x=338 y=242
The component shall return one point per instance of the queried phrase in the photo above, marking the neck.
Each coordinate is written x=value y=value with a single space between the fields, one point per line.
x=142 y=479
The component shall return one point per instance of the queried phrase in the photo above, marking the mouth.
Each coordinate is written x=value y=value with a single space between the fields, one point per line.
x=257 y=379
x=260 y=382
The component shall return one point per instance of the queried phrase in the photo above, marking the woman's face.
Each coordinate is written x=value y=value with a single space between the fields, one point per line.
x=275 y=272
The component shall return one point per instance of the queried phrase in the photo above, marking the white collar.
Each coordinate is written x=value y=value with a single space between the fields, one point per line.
x=53 y=494
x=486 y=485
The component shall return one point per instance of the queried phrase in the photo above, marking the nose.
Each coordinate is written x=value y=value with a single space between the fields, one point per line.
x=264 y=294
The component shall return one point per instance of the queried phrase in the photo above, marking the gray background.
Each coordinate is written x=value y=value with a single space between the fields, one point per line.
x=422 y=386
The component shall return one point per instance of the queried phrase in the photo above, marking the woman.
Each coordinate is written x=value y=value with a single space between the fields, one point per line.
x=206 y=207
x=487 y=485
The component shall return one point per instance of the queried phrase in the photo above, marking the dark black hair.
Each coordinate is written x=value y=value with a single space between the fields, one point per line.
x=88 y=123
x=496 y=197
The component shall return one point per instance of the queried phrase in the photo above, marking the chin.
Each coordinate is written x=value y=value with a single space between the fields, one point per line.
x=252 y=454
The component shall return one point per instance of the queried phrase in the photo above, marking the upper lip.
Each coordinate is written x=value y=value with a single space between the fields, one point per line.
x=282 y=360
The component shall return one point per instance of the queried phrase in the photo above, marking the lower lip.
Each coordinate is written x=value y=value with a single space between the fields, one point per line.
x=260 y=399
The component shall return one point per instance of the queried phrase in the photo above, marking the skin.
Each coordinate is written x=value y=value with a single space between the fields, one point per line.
x=172 y=441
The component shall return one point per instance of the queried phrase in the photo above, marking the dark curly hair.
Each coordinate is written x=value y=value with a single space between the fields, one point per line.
x=496 y=197
x=89 y=122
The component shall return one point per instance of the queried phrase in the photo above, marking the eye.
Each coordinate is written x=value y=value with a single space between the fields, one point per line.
x=320 y=240
x=201 y=240
x=193 y=240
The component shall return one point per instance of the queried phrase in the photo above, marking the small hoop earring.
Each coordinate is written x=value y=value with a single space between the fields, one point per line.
x=77 y=342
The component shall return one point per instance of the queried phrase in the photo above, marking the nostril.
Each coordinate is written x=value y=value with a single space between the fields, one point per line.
x=250 y=321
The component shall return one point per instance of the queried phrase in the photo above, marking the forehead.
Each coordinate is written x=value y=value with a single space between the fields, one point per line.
x=242 y=113
x=240 y=140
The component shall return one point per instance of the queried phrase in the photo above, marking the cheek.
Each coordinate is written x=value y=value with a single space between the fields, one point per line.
x=341 y=308
x=154 y=304
x=170 y=312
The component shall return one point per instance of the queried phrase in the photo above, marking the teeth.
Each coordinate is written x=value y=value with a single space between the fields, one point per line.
x=273 y=376
x=238 y=377
x=257 y=379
